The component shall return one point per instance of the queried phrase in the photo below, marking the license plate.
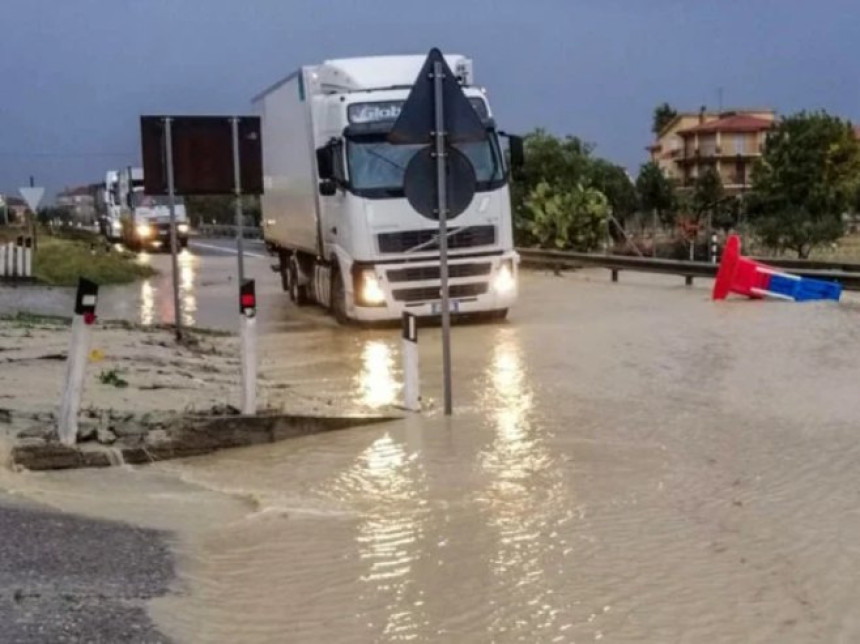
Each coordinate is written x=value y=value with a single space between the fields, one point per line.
x=436 y=307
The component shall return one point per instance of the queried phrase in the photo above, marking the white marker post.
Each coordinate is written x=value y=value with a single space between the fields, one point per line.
x=411 y=381
x=28 y=257
x=714 y=248
x=248 y=309
x=19 y=258
x=85 y=317
x=3 y=271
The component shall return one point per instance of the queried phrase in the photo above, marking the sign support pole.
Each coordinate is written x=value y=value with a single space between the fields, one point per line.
x=171 y=200
x=240 y=218
x=442 y=201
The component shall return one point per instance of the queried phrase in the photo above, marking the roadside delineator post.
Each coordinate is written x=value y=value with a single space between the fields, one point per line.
x=82 y=322
x=248 y=309
x=714 y=248
x=19 y=257
x=411 y=381
x=28 y=257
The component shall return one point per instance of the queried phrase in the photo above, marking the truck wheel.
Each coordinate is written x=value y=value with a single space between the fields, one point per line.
x=298 y=293
x=338 y=299
x=284 y=270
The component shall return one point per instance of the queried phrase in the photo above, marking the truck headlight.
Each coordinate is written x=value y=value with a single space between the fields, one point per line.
x=144 y=230
x=182 y=228
x=504 y=283
x=370 y=290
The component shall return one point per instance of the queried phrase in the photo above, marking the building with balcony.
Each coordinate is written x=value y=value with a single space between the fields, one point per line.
x=728 y=141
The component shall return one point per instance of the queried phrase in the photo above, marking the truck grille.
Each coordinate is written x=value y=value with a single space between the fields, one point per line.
x=425 y=273
x=467 y=237
x=431 y=293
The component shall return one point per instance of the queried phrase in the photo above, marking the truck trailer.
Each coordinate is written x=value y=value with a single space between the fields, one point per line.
x=334 y=209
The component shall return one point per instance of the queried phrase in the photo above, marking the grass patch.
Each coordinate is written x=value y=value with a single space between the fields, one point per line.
x=25 y=320
x=112 y=378
x=60 y=262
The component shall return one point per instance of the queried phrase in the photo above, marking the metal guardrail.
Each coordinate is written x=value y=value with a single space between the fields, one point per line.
x=536 y=258
x=224 y=230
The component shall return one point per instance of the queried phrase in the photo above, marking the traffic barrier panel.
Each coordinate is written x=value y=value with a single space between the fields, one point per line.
x=744 y=276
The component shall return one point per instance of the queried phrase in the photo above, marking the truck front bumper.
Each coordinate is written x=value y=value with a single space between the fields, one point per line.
x=478 y=284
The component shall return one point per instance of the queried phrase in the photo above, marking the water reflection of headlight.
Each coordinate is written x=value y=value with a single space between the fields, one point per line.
x=147 y=303
x=379 y=388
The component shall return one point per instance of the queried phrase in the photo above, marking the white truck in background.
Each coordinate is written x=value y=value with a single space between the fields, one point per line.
x=334 y=208
x=110 y=212
x=139 y=221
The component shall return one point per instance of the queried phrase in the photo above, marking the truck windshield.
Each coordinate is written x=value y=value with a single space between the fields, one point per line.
x=376 y=167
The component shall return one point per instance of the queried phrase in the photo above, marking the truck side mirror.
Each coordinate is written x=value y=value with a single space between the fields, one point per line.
x=517 y=151
x=328 y=188
x=325 y=163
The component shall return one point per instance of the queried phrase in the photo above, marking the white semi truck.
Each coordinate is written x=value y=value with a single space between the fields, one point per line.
x=334 y=208
x=139 y=221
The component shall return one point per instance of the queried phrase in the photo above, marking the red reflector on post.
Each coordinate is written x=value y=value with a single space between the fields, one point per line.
x=248 y=301
x=89 y=318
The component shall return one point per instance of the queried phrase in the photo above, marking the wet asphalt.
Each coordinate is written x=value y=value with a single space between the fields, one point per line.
x=69 y=579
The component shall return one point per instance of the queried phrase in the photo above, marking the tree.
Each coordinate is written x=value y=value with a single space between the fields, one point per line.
x=805 y=182
x=663 y=115
x=656 y=192
x=615 y=184
x=567 y=216
x=561 y=163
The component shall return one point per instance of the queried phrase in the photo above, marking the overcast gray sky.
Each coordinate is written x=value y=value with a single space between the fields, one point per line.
x=76 y=74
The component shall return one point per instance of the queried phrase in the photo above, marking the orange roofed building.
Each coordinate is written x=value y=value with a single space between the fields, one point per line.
x=728 y=141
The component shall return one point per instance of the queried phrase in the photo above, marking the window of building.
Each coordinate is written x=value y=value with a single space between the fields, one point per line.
x=740 y=144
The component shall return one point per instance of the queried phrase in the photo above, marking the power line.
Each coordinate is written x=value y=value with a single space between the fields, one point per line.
x=62 y=155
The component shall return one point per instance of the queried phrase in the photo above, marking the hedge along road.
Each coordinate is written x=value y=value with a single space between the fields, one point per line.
x=631 y=462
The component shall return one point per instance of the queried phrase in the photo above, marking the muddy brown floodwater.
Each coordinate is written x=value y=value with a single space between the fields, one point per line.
x=627 y=463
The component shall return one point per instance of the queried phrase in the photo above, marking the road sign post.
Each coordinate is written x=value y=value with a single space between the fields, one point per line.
x=171 y=200
x=442 y=207
x=438 y=114
x=237 y=185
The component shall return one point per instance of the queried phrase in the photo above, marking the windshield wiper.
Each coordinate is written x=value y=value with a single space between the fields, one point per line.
x=386 y=159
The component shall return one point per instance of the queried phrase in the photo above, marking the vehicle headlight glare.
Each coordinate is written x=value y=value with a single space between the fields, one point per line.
x=144 y=230
x=505 y=283
x=371 y=290
x=182 y=228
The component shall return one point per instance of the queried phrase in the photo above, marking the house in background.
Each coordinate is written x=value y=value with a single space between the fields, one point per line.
x=728 y=141
x=80 y=202
x=13 y=208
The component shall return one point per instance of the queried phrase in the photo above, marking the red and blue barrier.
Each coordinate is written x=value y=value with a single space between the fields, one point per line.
x=744 y=276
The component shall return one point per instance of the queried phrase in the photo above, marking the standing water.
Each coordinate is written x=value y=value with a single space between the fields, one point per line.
x=625 y=463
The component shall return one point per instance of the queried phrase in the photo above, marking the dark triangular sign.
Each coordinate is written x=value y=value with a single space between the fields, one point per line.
x=417 y=118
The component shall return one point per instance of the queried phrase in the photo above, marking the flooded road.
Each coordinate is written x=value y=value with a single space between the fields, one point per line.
x=626 y=463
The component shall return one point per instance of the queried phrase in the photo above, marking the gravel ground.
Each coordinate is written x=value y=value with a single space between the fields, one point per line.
x=69 y=579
